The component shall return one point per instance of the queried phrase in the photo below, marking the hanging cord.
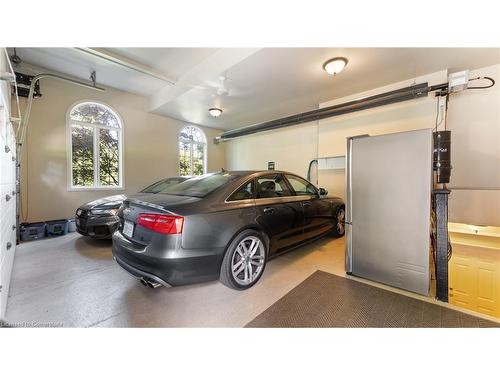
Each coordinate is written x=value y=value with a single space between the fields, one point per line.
x=481 y=87
x=438 y=112
x=446 y=112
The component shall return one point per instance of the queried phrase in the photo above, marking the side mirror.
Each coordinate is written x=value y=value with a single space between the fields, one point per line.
x=323 y=192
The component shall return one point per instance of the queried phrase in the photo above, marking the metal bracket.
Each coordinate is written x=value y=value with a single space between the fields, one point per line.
x=93 y=77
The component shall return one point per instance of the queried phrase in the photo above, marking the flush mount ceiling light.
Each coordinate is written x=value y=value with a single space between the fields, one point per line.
x=335 y=66
x=215 y=112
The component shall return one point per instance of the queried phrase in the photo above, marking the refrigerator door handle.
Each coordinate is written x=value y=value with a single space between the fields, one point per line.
x=348 y=205
x=348 y=202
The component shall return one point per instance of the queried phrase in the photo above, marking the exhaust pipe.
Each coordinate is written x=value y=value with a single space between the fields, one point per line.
x=153 y=285
x=150 y=284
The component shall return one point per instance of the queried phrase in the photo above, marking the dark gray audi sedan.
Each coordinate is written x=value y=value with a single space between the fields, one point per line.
x=223 y=226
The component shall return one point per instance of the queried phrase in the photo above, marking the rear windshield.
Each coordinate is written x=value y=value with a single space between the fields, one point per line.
x=162 y=184
x=199 y=186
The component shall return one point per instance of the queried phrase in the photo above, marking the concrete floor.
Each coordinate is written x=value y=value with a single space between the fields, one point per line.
x=74 y=282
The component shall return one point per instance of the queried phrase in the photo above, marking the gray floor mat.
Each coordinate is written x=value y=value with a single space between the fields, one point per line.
x=326 y=300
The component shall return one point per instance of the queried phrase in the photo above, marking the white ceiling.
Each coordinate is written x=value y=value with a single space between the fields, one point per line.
x=263 y=84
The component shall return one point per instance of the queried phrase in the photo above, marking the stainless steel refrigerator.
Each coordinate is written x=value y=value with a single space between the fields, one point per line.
x=388 y=203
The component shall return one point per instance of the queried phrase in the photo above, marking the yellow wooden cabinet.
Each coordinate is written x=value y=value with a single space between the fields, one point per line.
x=474 y=269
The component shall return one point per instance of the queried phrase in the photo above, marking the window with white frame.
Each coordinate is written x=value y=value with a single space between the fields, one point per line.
x=192 y=152
x=95 y=147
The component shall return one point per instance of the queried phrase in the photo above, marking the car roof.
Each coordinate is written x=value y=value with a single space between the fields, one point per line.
x=256 y=172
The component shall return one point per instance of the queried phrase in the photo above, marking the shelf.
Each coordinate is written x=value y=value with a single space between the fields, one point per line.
x=472 y=235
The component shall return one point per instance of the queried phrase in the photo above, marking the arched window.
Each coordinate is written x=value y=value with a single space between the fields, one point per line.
x=192 y=152
x=95 y=147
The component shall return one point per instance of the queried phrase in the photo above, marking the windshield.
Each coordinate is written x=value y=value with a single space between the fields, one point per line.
x=162 y=184
x=199 y=186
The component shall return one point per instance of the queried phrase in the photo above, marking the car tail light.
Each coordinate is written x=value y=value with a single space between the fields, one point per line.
x=166 y=224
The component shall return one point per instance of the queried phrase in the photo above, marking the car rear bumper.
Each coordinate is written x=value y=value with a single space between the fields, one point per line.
x=97 y=227
x=139 y=274
x=171 y=267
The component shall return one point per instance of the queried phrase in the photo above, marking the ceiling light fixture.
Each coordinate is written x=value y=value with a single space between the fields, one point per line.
x=215 y=112
x=335 y=66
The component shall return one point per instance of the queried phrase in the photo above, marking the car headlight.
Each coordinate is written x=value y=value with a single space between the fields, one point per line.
x=104 y=211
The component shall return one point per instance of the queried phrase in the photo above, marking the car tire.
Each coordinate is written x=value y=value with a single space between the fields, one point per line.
x=338 y=229
x=244 y=261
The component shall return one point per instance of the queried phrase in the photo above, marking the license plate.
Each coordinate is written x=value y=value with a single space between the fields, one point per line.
x=128 y=228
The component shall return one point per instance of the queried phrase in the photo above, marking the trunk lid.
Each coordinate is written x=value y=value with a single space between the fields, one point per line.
x=150 y=204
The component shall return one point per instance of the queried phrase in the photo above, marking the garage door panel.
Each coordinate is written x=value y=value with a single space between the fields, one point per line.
x=5 y=272
x=7 y=204
x=8 y=237
x=7 y=201
x=7 y=167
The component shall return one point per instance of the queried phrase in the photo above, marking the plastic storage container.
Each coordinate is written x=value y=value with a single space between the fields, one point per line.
x=71 y=225
x=32 y=231
x=57 y=227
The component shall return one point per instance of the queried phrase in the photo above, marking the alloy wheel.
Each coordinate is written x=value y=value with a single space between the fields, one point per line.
x=248 y=260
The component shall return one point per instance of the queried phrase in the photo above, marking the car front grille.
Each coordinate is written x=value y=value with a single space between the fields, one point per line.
x=81 y=224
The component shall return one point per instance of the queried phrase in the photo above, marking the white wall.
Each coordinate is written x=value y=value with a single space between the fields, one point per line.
x=150 y=149
x=473 y=118
x=291 y=148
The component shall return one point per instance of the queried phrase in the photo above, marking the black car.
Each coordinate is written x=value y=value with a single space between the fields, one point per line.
x=223 y=226
x=98 y=219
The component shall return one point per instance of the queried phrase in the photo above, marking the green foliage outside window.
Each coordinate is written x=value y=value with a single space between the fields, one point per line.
x=198 y=159
x=103 y=129
x=108 y=157
x=192 y=145
x=83 y=155
x=184 y=159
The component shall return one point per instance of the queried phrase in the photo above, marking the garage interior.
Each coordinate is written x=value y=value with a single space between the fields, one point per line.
x=343 y=130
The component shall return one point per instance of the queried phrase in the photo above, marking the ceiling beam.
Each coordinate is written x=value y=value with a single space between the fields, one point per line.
x=126 y=63
x=207 y=70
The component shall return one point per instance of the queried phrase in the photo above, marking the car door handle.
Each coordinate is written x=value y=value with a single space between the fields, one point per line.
x=268 y=210
x=306 y=204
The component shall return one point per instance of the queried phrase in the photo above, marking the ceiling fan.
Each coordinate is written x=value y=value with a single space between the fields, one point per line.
x=222 y=89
